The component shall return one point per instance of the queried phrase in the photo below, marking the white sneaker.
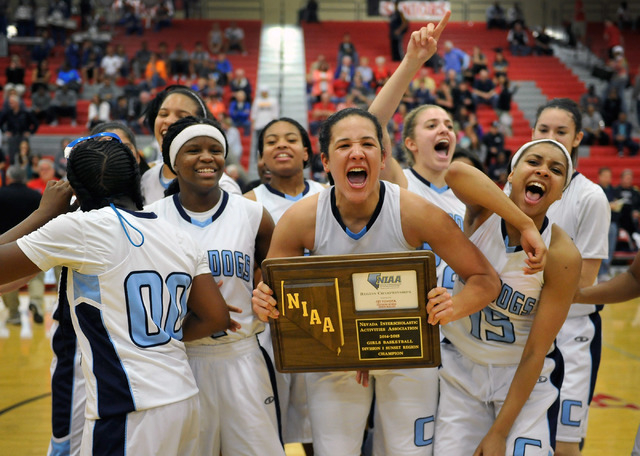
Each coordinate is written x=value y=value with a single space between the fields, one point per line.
x=25 y=322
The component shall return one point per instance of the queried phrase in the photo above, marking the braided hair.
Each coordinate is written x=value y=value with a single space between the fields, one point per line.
x=154 y=105
x=174 y=130
x=103 y=172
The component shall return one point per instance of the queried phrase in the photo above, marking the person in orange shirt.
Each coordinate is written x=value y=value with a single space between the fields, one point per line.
x=156 y=71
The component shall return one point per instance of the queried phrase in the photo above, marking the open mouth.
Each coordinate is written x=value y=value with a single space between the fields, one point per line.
x=206 y=171
x=357 y=177
x=442 y=147
x=535 y=191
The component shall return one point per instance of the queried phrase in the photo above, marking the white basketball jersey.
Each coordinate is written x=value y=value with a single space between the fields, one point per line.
x=127 y=303
x=228 y=237
x=276 y=202
x=383 y=233
x=498 y=333
x=584 y=213
x=153 y=184
x=445 y=199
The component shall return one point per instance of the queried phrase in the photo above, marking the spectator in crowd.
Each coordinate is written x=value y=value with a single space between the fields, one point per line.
x=42 y=50
x=515 y=15
x=132 y=18
x=493 y=142
x=611 y=107
x=612 y=36
x=141 y=59
x=321 y=81
x=24 y=159
x=233 y=139
x=223 y=68
x=234 y=36
x=624 y=16
x=398 y=26
x=463 y=96
x=25 y=17
x=109 y=91
x=630 y=208
x=362 y=93
x=41 y=76
x=69 y=77
x=41 y=104
x=215 y=104
x=16 y=123
x=484 y=90
x=381 y=72
x=179 y=63
x=126 y=64
x=499 y=169
x=161 y=15
x=496 y=16
x=347 y=67
x=99 y=111
x=90 y=69
x=198 y=61
x=620 y=72
x=518 y=40
x=240 y=111
x=156 y=71
x=14 y=74
x=64 y=104
x=59 y=11
x=46 y=173
x=309 y=13
x=541 y=42
x=341 y=87
x=17 y=202
x=110 y=64
x=240 y=82
x=590 y=98
x=72 y=53
x=478 y=61
x=264 y=109
x=320 y=112
x=216 y=39
x=593 y=128
x=605 y=181
x=621 y=131
x=455 y=59
x=444 y=98
x=500 y=64
x=346 y=48
x=365 y=70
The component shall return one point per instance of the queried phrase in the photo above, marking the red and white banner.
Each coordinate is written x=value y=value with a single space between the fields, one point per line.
x=417 y=11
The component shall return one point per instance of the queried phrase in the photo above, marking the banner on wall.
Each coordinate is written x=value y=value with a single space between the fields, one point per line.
x=416 y=10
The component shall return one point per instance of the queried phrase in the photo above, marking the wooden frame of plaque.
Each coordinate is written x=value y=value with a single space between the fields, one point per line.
x=349 y=312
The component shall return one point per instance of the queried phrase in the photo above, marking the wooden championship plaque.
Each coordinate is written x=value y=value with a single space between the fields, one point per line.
x=349 y=312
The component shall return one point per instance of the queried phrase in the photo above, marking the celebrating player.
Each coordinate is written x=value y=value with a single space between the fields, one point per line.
x=131 y=277
x=361 y=214
x=238 y=409
x=500 y=369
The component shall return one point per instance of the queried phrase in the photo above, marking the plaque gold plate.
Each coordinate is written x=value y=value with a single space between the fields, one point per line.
x=349 y=312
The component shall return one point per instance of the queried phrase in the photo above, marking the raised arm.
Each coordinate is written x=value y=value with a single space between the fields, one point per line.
x=483 y=198
x=482 y=283
x=560 y=280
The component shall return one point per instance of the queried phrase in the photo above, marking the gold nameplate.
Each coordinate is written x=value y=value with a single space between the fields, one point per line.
x=347 y=312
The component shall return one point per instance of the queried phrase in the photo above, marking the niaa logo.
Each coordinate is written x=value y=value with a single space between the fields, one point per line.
x=376 y=278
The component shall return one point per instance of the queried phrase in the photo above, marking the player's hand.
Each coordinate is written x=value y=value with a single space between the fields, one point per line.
x=362 y=377
x=233 y=325
x=55 y=199
x=263 y=302
x=491 y=445
x=536 y=250
x=439 y=306
x=423 y=43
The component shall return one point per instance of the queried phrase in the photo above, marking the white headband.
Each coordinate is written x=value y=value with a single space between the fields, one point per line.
x=191 y=132
x=520 y=151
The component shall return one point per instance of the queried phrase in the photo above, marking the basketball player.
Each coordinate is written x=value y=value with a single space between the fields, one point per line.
x=173 y=103
x=131 y=277
x=500 y=369
x=67 y=382
x=285 y=149
x=237 y=399
x=361 y=214
x=584 y=213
